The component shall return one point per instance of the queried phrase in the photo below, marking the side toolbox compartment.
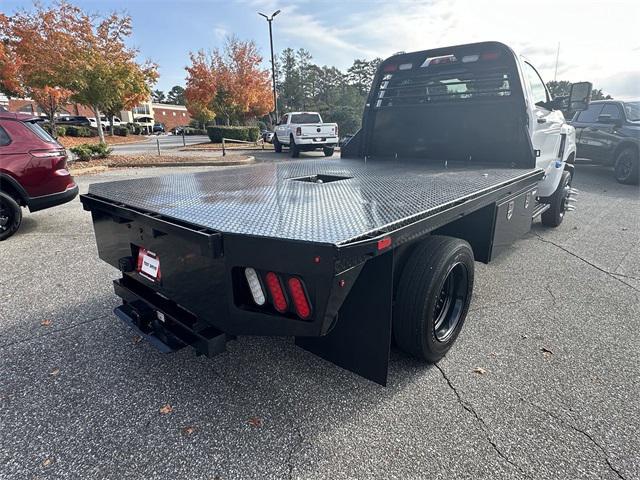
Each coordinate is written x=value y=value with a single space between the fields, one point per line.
x=513 y=219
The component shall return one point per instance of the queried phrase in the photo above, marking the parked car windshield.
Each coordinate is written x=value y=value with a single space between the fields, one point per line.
x=632 y=110
x=40 y=132
x=305 y=118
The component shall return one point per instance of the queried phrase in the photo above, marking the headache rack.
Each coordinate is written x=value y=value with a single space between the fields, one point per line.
x=408 y=88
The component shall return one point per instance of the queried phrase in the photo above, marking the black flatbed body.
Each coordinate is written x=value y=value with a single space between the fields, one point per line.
x=356 y=200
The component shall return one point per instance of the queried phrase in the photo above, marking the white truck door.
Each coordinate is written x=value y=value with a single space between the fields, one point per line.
x=281 y=130
x=545 y=123
x=545 y=126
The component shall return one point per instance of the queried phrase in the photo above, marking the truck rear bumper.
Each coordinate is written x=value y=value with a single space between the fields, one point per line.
x=166 y=326
x=317 y=142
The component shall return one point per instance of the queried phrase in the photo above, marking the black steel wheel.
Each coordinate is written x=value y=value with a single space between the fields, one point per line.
x=627 y=166
x=294 y=150
x=10 y=216
x=558 y=201
x=433 y=297
x=328 y=151
x=277 y=146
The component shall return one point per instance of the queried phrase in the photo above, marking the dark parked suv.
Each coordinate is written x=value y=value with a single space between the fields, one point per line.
x=33 y=170
x=608 y=132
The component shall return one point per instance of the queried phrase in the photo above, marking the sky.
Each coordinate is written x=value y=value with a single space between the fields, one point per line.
x=599 y=40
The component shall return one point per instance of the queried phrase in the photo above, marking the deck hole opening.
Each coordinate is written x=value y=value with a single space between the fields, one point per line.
x=320 y=178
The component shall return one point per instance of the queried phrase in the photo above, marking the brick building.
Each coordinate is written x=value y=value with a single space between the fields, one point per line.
x=146 y=113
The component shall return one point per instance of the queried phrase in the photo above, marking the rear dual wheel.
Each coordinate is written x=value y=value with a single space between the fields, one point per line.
x=10 y=216
x=433 y=297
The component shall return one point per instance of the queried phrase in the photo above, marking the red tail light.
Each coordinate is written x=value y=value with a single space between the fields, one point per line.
x=299 y=297
x=298 y=131
x=277 y=294
x=336 y=130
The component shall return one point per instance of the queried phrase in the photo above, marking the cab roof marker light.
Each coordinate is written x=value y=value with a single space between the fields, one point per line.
x=254 y=286
x=405 y=66
x=470 y=58
x=489 y=55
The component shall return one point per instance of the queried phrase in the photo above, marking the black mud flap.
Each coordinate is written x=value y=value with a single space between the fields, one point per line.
x=361 y=339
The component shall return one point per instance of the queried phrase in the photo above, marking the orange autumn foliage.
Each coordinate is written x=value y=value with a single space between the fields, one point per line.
x=229 y=83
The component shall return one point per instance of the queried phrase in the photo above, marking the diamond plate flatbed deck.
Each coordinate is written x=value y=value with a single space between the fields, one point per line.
x=264 y=200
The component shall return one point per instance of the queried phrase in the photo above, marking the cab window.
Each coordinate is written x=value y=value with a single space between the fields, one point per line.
x=590 y=115
x=613 y=110
x=283 y=119
x=538 y=90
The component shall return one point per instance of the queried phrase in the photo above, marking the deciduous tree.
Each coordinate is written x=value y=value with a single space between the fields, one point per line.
x=110 y=76
x=229 y=83
x=41 y=52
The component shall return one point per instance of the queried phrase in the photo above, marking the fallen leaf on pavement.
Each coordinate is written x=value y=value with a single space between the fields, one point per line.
x=186 y=431
x=165 y=409
x=255 y=422
x=45 y=323
x=54 y=372
x=47 y=461
x=479 y=370
x=546 y=352
x=137 y=339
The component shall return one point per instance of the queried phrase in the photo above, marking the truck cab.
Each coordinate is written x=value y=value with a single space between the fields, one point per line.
x=476 y=103
x=305 y=131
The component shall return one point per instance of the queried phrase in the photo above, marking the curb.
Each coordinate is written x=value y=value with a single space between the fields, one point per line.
x=209 y=163
x=206 y=163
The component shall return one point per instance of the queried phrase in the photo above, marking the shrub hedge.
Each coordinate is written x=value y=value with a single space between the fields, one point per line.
x=75 y=131
x=218 y=132
x=121 y=131
x=88 y=151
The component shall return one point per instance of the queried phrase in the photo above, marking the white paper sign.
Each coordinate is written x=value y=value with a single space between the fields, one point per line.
x=150 y=266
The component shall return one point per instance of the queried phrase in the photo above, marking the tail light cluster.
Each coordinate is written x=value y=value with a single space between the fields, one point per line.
x=299 y=131
x=284 y=293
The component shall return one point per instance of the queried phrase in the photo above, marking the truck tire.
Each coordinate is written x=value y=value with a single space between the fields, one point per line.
x=433 y=297
x=553 y=216
x=277 y=146
x=328 y=151
x=294 y=150
x=627 y=166
x=10 y=216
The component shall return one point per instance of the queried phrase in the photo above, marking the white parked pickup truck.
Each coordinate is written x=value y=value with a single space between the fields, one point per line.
x=303 y=132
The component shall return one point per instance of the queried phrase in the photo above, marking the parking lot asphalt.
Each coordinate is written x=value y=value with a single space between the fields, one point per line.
x=554 y=325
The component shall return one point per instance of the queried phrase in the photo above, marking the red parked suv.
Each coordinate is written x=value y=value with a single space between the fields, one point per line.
x=33 y=170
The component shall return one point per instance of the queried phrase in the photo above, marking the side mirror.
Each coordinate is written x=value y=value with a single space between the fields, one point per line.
x=580 y=96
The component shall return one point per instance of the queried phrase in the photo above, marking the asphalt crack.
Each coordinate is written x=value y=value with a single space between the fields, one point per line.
x=469 y=408
x=580 y=431
x=296 y=445
x=615 y=276
x=52 y=332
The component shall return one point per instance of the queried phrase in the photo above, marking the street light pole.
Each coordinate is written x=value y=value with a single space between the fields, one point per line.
x=273 y=64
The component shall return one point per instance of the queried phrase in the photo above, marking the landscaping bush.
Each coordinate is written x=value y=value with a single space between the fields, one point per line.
x=89 y=151
x=121 y=131
x=60 y=131
x=248 y=134
x=75 y=131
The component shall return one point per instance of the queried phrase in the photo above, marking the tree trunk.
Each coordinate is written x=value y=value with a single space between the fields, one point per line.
x=96 y=110
x=111 y=126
